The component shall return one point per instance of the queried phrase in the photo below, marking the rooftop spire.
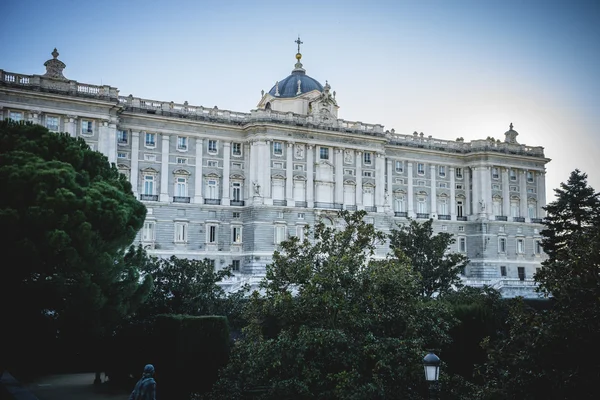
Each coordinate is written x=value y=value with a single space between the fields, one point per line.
x=54 y=67
x=298 y=66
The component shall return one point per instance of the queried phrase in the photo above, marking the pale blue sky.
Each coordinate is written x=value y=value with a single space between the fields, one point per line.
x=446 y=68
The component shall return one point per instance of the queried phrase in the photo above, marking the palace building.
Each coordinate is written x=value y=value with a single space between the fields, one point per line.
x=230 y=186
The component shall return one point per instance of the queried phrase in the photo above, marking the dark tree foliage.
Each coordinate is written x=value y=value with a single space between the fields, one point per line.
x=437 y=268
x=67 y=216
x=553 y=353
x=347 y=325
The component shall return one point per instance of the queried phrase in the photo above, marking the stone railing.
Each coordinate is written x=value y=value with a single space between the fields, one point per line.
x=41 y=83
x=420 y=141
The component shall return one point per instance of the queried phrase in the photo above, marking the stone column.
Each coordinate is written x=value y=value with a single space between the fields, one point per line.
x=289 y=175
x=389 y=187
x=411 y=191
x=135 y=162
x=359 y=188
x=380 y=181
x=467 y=178
x=433 y=182
x=103 y=138
x=452 y=172
x=253 y=169
x=35 y=117
x=310 y=178
x=339 y=177
x=164 y=170
x=71 y=125
x=541 y=194
x=523 y=193
x=111 y=141
x=476 y=192
x=226 y=172
x=487 y=190
x=505 y=193
x=198 y=174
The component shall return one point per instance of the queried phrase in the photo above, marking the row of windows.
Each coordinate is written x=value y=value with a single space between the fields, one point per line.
x=52 y=122
x=148 y=233
x=520 y=272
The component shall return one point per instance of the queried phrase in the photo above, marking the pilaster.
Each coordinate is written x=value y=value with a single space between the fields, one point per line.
x=505 y=193
x=380 y=179
x=71 y=125
x=339 y=177
x=467 y=178
x=310 y=178
x=164 y=170
x=541 y=194
x=433 y=181
x=523 y=194
x=289 y=175
x=452 y=172
x=225 y=200
x=411 y=190
x=389 y=190
x=359 y=188
x=198 y=174
x=135 y=162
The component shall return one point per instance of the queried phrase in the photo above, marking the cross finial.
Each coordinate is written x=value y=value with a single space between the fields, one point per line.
x=511 y=126
x=298 y=42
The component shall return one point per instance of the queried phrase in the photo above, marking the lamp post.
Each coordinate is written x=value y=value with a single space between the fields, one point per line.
x=431 y=365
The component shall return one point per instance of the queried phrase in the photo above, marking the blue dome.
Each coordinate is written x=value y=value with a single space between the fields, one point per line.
x=289 y=86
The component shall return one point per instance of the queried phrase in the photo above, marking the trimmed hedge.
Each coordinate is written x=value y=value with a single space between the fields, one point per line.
x=187 y=352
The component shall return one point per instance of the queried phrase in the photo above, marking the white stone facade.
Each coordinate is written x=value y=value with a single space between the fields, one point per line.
x=228 y=186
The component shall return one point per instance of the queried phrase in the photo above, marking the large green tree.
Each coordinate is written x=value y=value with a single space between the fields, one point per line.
x=437 y=267
x=332 y=322
x=553 y=353
x=68 y=216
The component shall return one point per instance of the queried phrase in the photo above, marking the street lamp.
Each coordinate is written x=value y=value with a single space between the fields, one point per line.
x=431 y=365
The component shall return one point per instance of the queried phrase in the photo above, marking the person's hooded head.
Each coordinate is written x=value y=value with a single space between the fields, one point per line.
x=149 y=370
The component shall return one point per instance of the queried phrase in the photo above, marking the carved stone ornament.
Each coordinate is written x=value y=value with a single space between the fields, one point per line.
x=299 y=151
x=54 y=67
x=348 y=156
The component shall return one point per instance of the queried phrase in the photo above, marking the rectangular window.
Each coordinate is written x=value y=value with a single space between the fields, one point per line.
x=16 y=116
x=235 y=265
x=181 y=160
x=148 y=231
x=299 y=167
x=420 y=183
x=149 y=184
x=211 y=234
x=367 y=158
x=86 y=127
x=459 y=186
x=300 y=232
x=150 y=139
x=122 y=137
x=348 y=172
x=400 y=181
x=521 y=271
x=52 y=123
x=236 y=215
x=236 y=149
x=514 y=188
x=279 y=233
x=458 y=172
x=462 y=244
x=212 y=146
x=180 y=232
x=212 y=163
x=495 y=173
x=236 y=234
x=531 y=190
x=277 y=148
x=537 y=245
x=123 y=155
x=278 y=165
x=181 y=187
x=301 y=215
x=420 y=168
x=367 y=174
x=442 y=170
x=236 y=165
x=323 y=153
x=150 y=157
x=520 y=246
x=502 y=245
x=495 y=187
x=529 y=176
x=513 y=175
x=212 y=263
x=461 y=228
x=212 y=189
x=236 y=191
x=503 y=270
x=443 y=185
x=182 y=143
x=399 y=166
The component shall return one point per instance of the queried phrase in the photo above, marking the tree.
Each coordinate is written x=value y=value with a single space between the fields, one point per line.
x=69 y=216
x=553 y=353
x=429 y=257
x=333 y=322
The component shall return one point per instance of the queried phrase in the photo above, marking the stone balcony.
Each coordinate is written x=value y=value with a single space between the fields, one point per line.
x=67 y=87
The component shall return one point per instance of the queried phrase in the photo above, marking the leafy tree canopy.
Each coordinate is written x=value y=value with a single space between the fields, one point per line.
x=437 y=268
x=333 y=322
x=69 y=215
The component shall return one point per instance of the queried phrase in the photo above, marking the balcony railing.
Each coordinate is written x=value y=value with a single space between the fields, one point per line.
x=518 y=219
x=214 y=202
x=238 y=203
x=400 y=214
x=536 y=220
x=181 y=199
x=461 y=218
x=279 y=202
x=370 y=209
x=333 y=206
x=300 y=204
x=422 y=215
x=501 y=218
x=350 y=207
x=444 y=217
x=149 y=197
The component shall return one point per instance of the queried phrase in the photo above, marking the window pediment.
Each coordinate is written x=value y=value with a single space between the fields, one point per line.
x=212 y=175
x=149 y=171
x=236 y=176
x=123 y=167
x=181 y=172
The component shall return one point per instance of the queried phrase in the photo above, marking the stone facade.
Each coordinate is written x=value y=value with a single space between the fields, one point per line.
x=228 y=186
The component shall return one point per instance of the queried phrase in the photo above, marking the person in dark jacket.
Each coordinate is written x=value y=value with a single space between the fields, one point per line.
x=145 y=388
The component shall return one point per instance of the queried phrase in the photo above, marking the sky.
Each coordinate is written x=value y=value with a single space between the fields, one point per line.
x=447 y=68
